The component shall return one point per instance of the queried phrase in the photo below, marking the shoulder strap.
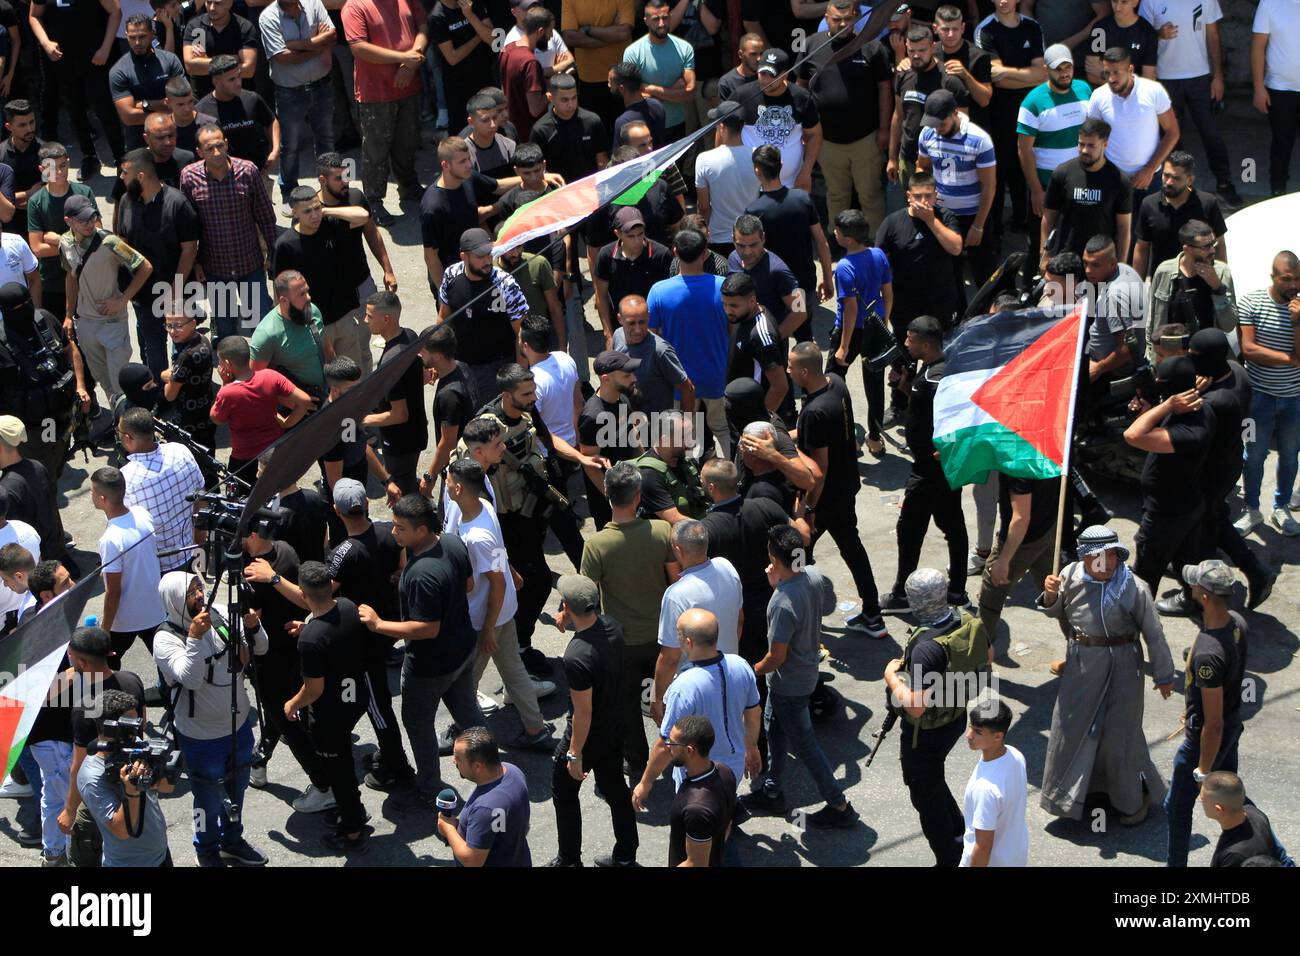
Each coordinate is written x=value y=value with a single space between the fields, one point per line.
x=96 y=241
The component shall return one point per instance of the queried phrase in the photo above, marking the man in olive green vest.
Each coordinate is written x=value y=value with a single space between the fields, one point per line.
x=671 y=488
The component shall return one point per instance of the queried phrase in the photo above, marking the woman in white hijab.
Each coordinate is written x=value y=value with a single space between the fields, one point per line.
x=190 y=650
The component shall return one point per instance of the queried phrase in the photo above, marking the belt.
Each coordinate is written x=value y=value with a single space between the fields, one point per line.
x=1088 y=640
x=306 y=87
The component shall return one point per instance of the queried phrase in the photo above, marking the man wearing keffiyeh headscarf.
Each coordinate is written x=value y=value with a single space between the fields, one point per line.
x=190 y=650
x=1097 y=744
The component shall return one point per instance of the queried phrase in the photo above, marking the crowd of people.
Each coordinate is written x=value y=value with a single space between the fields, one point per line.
x=706 y=424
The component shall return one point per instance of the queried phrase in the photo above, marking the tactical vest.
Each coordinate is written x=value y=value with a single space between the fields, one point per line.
x=522 y=451
x=685 y=489
x=967 y=648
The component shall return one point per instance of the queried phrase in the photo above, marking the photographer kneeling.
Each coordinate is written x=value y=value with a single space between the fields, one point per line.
x=190 y=650
x=119 y=807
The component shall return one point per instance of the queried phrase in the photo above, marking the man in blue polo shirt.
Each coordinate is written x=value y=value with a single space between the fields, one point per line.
x=687 y=311
x=961 y=156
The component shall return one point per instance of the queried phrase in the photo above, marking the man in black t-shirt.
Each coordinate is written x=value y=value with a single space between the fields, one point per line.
x=629 y=265
x=572 y=138
x=700 y=819
x=1123 y=28
x=852 y=96
x=251 y=128
x=927 y=494
x=593 y=669
x=450 y=206
x=433 y=619
x=334 y=694
x=607 y=415
x=1247 y=834
x=400 y=419
x=921 y=242
x=911 y=89
x=959 y=57
x=1161 y=216
x=1025 y=539
x=1016 y=45
x=826 y=434
x=1087 y=196
x=462 y=35
x=758 y=350
x=215 y=32
x=1212 y=684
x=187 y=383
x=1177 y=434
x=454 y=399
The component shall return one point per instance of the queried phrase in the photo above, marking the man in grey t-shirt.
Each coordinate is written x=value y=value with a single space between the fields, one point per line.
x=801 y=597
x=660 y=371
x=115 y=804
x=1116 y=306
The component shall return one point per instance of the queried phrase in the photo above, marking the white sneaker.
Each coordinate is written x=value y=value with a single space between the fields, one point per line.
x=312 y=800
x=1282 y=520
x=15 y=790
x=257 y=776
x=544 y=688
x=487 y=704
x=1250 y=520
x=975 y=565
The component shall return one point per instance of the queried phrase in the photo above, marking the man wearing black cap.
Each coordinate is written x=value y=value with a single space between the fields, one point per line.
x=1228 y=396
x=1178 y=434
x=629 y=265
x=781 y=114
x=487 y=330
x=604 y=427
x=962 y=158
x=724 y=177
x=912 y=87
x=593 y=736
x=927 y=494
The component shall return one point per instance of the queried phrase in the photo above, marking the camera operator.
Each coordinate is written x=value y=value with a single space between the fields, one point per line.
x=334 y=692
x=117 y=805
x=521 y=506
x=88 y=651
x=42 y=375
x=158 y=479
x=191 y=652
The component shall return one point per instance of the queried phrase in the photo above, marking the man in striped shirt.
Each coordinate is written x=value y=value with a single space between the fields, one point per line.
x=1267 y=324
x=962 y=158
x=1047 y=130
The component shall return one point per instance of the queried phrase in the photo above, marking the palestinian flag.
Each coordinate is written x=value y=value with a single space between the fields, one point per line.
x=1006 y=399
x=29 y=661
x=624 y=184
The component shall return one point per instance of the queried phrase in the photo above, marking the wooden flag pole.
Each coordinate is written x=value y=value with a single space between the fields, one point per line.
x=1069 y=439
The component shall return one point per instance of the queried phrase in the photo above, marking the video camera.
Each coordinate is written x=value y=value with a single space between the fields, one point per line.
x=127 y=744
x=221 y=516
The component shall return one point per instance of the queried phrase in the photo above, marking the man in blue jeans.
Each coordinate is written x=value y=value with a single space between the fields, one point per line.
x=1266 y=322
x=299 y=40
x=190 y=651
x=801 y=597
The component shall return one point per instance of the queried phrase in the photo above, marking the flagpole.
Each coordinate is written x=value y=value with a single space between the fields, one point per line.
x=1082 y=309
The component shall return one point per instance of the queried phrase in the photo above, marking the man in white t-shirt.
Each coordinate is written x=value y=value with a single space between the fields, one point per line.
x=1189 y=62
x=725 y=183
x=132 y=606
x=17 y=264
x=1143 y=126
x=493 y=601
x=554 y=57
x=13 y=604
x=555 y=374
x=994 y=805
x=1275 y=73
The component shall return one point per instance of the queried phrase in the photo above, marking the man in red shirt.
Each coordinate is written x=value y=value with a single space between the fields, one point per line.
x=249 y=402
x=387 y=39
x=521 y=74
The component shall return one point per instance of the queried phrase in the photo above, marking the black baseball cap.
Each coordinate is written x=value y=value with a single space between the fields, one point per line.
x=476 y=242
x=939 y=105
x=612 y=361
x=730 y=112
x=775 y=61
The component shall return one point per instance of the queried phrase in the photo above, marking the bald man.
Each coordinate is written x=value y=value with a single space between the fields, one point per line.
x=721 y=687
x=660 y=371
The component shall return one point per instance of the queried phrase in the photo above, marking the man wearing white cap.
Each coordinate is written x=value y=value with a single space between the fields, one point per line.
x=1047 y=128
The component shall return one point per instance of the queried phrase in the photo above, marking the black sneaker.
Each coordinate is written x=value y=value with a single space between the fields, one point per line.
x=559 y=861
x=332 y=817
x=1176 y=606
x=607 y=860
x=873 y=627
x=210 y=858
x=30 y=838
x=90 y=168
x=535 y=662
x=381 y=216
x=828 y=818
x=1228 y=193
x=447 y=741
x=765 y=803
x=1258 y=588
x=542 y=740
x=386 y=780
x=895 y=604
x=341 y=843
x=959 y=599
x=243 y=854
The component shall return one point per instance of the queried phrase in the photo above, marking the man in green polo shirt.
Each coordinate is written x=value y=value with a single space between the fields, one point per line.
x=45 y=222
x=291 y=337
x=1048 y=126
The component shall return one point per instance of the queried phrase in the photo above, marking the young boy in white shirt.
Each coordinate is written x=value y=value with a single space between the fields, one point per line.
x=994 y=805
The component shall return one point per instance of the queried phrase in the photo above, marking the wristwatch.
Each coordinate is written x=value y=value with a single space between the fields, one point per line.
x=144 y=105
x=1197 y=775
x=570 y=757
x=275 y=580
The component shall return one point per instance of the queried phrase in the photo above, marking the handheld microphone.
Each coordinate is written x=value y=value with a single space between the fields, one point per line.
x=447 y=802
